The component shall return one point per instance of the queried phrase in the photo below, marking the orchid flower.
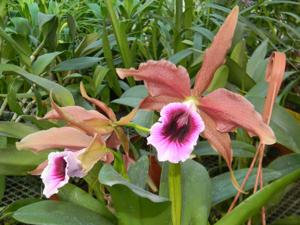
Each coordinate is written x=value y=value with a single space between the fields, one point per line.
x=221 y=110
x=176 y=133
x=88 y=133
x=60 y=167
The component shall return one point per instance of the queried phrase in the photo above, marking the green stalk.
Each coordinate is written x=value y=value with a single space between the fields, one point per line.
x=175 y=191
x=178 y=24
x=138 y=127
x=112 y=80
x=121 y=37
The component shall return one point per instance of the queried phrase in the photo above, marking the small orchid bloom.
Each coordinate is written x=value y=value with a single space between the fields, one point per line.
x=221 y=110
x=91 y=130
x=61 y=166
x=176 y=133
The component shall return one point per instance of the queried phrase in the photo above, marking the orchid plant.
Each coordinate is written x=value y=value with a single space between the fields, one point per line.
x=186 y=113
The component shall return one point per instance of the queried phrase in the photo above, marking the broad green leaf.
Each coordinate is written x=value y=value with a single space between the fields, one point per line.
x=258 y=55
x=75 y=195
x=240 y=149
x=77 y=64
x=133 y=96
x=222 y=188
x=16 y=130
x=196 y=192
x=220 y=78
x=138 y=172
x=58 y=213
x=286 y=164
x=61 y=94
x=254 y=203
x=41 y=63
x=134 y=205
x=285 y=126
x=14 y=162
x=48 y=24
x=21 y=25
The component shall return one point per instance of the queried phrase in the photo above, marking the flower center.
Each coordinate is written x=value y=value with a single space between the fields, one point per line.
x=178 y=126
x=60 y=168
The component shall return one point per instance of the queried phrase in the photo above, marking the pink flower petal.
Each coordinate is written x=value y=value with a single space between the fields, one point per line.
x=176 y=133
x=61 y=166
x=161 y=78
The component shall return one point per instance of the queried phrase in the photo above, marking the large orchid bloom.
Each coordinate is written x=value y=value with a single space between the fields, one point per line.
x=60 y=167
x=221 y=110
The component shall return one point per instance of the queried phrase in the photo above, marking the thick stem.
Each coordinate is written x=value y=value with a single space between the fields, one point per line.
x=175 y=192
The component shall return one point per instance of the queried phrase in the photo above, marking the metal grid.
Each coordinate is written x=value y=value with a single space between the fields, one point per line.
x=289 y=205
x=21 y=187
x=31 y=187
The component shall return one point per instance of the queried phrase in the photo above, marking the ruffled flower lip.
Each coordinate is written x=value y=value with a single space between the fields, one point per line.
x=61 y=166
x=176 y=133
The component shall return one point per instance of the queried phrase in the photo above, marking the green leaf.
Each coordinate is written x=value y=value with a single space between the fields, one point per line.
x=258 y=55
x=58 y=213
x=239 y=54
x=22 y=52
x=133 y=96
x=61 y=94
x=222 y=188
x=41 y=63
x=138 y=172
x=134 y=205
x=12 y=99
x=48 y=24
x=14 y=162
x=16 y=130
x=10 y=209
x=286 y=164
x=285 y=126
x=75 y=195
x=77 y=64
x=240 y=149
x=238 y=76
x=219 y=79
x=21 y=25
x=196 y=192
x=146 y=119
x=120 y=34
x=290 y=220
x=254 y=203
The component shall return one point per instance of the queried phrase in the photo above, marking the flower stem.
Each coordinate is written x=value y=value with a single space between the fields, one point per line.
x=138 y=127
x=175 y=191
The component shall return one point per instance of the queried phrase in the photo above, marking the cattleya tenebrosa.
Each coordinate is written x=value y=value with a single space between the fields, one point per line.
x=221 y=110
x=87 y=138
